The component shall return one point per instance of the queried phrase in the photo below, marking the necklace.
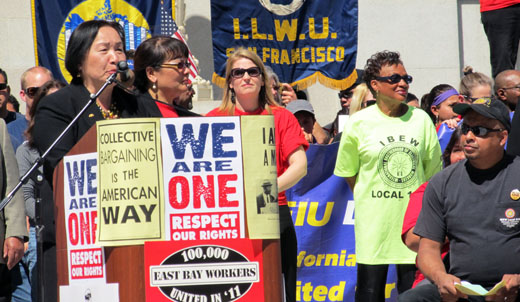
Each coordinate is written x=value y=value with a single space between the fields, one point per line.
x=112 y=113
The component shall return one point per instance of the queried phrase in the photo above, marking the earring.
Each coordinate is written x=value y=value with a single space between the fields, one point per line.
x=154 y=86
x=233 y=96
x=436 y=119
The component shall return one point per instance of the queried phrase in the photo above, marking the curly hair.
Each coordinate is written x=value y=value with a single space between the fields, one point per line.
x=376 y=62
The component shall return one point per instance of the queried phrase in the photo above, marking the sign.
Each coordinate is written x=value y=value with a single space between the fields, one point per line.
x=86 y=261
x=227 y=270
x=322 y=208
x=202 y=164
x=260 y=181
x=301 y=40
x=90 y=292
x=130 y=191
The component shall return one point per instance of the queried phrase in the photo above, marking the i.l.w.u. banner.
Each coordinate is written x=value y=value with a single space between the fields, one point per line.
x=55 y=20
x=302 y=40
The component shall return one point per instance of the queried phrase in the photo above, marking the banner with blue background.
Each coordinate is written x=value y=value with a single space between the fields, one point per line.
x=55 y=20
x=323 y=213
x=302 y=40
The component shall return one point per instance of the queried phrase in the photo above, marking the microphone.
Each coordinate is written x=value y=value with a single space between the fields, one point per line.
x=125 y=76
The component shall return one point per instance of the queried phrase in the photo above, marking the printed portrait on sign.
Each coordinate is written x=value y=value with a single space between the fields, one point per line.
x=266 y=200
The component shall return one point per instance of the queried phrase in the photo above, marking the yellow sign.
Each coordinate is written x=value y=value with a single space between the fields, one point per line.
x=260 y=176
x=130 y=194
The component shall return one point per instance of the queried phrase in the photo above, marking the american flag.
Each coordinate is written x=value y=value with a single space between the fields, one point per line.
x=169 y=28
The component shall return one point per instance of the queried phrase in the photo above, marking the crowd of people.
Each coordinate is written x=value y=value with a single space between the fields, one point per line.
x=462 y=222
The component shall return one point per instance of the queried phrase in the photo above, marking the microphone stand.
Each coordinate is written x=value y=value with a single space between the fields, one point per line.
x=37 y=164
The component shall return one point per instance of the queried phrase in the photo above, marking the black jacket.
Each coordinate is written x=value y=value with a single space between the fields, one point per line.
x=56 y=111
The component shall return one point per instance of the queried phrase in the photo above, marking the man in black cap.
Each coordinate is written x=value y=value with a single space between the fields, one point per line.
x=475 y=204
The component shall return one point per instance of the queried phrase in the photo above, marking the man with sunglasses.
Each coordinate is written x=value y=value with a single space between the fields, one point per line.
x=16 y=122
x=475 y=204
x=32 y=79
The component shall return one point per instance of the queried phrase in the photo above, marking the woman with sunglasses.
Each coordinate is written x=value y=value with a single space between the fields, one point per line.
x=386 y=152
x=161 y=74
x=361 y=98
x=247 y=92
x=475 y=85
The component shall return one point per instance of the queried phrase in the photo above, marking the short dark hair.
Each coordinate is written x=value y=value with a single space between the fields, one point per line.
x=411 y=97
x=2 y=72
x=376 y=62
x=154 y=52
x=428 y=101
x=12 y=100
x=80 y=42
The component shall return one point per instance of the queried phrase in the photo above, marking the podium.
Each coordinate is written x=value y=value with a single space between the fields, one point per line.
x=125 y=265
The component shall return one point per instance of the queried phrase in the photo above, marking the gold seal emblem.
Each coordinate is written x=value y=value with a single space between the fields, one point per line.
x=515 y=194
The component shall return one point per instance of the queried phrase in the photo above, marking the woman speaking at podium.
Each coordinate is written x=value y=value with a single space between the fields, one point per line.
x=247 y=93
x=161 y=74
x=94 y=49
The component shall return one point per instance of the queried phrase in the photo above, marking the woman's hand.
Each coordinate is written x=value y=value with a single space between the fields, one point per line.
x=452 y=123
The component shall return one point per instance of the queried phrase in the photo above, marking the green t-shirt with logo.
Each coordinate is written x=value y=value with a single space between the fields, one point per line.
x=391 y=156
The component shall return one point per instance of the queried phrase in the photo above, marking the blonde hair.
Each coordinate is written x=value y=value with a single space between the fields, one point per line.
x=358 y=96
x=265 y=99
x=472 y=79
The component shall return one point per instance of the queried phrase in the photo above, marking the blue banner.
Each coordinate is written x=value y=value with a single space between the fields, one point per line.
x=323 y=213
x=55 y=20
x=302 y=40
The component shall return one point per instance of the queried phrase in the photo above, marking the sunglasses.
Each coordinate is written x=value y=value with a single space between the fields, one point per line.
x=3 y=86
x=370 y=102
x=180 y=66
x=345 y=95
x=479 y=131
x=396 y=78
x=239 y=72
x=467 y=97
x=31 y=91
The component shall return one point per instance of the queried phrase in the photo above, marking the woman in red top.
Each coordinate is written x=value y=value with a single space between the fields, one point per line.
x=247 y=93
x=161 y=74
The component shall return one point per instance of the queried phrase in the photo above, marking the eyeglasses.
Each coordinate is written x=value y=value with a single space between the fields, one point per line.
x=31 y=91
x=181 y=65
x=514 y=87
x=3 y=86
x=396 y=78
x=479 y=131
x=467 y=97
x=240 y=72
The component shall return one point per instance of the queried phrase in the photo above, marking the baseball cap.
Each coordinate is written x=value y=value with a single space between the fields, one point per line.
x=489 y=107
x=300 y=105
